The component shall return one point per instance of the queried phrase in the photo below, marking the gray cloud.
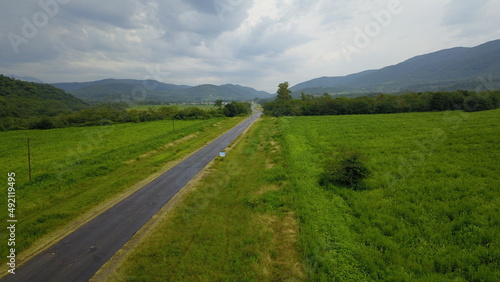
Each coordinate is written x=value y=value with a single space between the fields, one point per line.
x=258 y=43
x=460 y=12
x=100 y=13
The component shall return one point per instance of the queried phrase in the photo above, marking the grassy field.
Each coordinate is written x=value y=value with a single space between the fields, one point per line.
x=76 y=169
x=234 y=225
x=430 y=210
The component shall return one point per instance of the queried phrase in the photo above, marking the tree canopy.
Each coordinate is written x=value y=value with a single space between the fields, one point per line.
x=325 y=104
x=284 y=93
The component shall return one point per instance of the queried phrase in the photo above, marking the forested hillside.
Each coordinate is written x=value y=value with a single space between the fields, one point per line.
x=21 y=100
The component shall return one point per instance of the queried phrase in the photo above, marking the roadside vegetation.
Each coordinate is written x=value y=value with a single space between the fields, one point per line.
x=108 y=114
x=76 y=169
x=398 y=197
x=235 y=224
x=428 y=211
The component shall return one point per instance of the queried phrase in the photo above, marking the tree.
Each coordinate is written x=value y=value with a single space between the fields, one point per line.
x=235 y=109
x=218 y=104
x=284 y=93
x=42 y=123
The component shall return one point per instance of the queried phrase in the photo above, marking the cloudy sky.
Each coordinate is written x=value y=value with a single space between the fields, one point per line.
x=256 y=43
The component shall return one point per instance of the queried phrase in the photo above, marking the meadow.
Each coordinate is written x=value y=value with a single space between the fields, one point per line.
x=429 y=211
x=76 y=169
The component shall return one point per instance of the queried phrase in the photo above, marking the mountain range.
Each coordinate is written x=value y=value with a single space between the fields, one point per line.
x=460 y=68
x=476 y=68
x=152 y=91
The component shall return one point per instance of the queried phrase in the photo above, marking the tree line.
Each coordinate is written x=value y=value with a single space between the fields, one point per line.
x=308 y=105
x=28 y=105
x=106 y=114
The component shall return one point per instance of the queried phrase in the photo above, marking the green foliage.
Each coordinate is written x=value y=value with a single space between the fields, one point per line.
x=237 y=108
x=310 y=105
x=26 y=105
x=432 y=210
x=42 y=123
x=347 y=168
x=76 y=168
x=22 y=104
x=219 y=104
x=106 y=114
x=283 y=92
x=251 y=239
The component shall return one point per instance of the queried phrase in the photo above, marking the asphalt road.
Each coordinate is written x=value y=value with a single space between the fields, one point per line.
x=78 y=256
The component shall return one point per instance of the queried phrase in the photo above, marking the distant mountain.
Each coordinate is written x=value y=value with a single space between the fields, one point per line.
x=445 y=70
x=144 y=91
x=22 y=100
x=128 y=84
x=25 y=78
x=227 y=92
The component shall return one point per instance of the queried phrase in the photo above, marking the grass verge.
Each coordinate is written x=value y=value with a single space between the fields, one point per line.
x=234 y=224
x=79 y=172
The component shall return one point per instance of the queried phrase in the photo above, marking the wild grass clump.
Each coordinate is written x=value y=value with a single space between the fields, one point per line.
x=347 y=168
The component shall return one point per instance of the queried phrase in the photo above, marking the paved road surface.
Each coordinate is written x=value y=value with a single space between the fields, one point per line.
x=79 y=255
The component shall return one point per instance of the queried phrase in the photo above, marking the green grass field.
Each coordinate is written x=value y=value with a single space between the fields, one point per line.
x=430 y=210
x=76 y=169
x=234 y=225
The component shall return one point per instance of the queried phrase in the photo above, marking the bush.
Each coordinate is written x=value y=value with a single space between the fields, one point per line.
x=347 y=168
x=42 y=123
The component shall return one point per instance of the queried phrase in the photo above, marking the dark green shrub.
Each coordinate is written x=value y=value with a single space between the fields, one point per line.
x=347 y=168
x=42 y=123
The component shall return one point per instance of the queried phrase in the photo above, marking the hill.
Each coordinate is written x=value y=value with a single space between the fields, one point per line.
x=21 y=99
x=151 y=91
x=227 y=92
x=445 y=70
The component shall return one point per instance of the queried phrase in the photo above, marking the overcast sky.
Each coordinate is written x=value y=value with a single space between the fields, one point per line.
x=256 y=43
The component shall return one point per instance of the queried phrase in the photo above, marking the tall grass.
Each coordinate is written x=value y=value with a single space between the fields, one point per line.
x=75 y=169
x=431 y=208
x=233 y=225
